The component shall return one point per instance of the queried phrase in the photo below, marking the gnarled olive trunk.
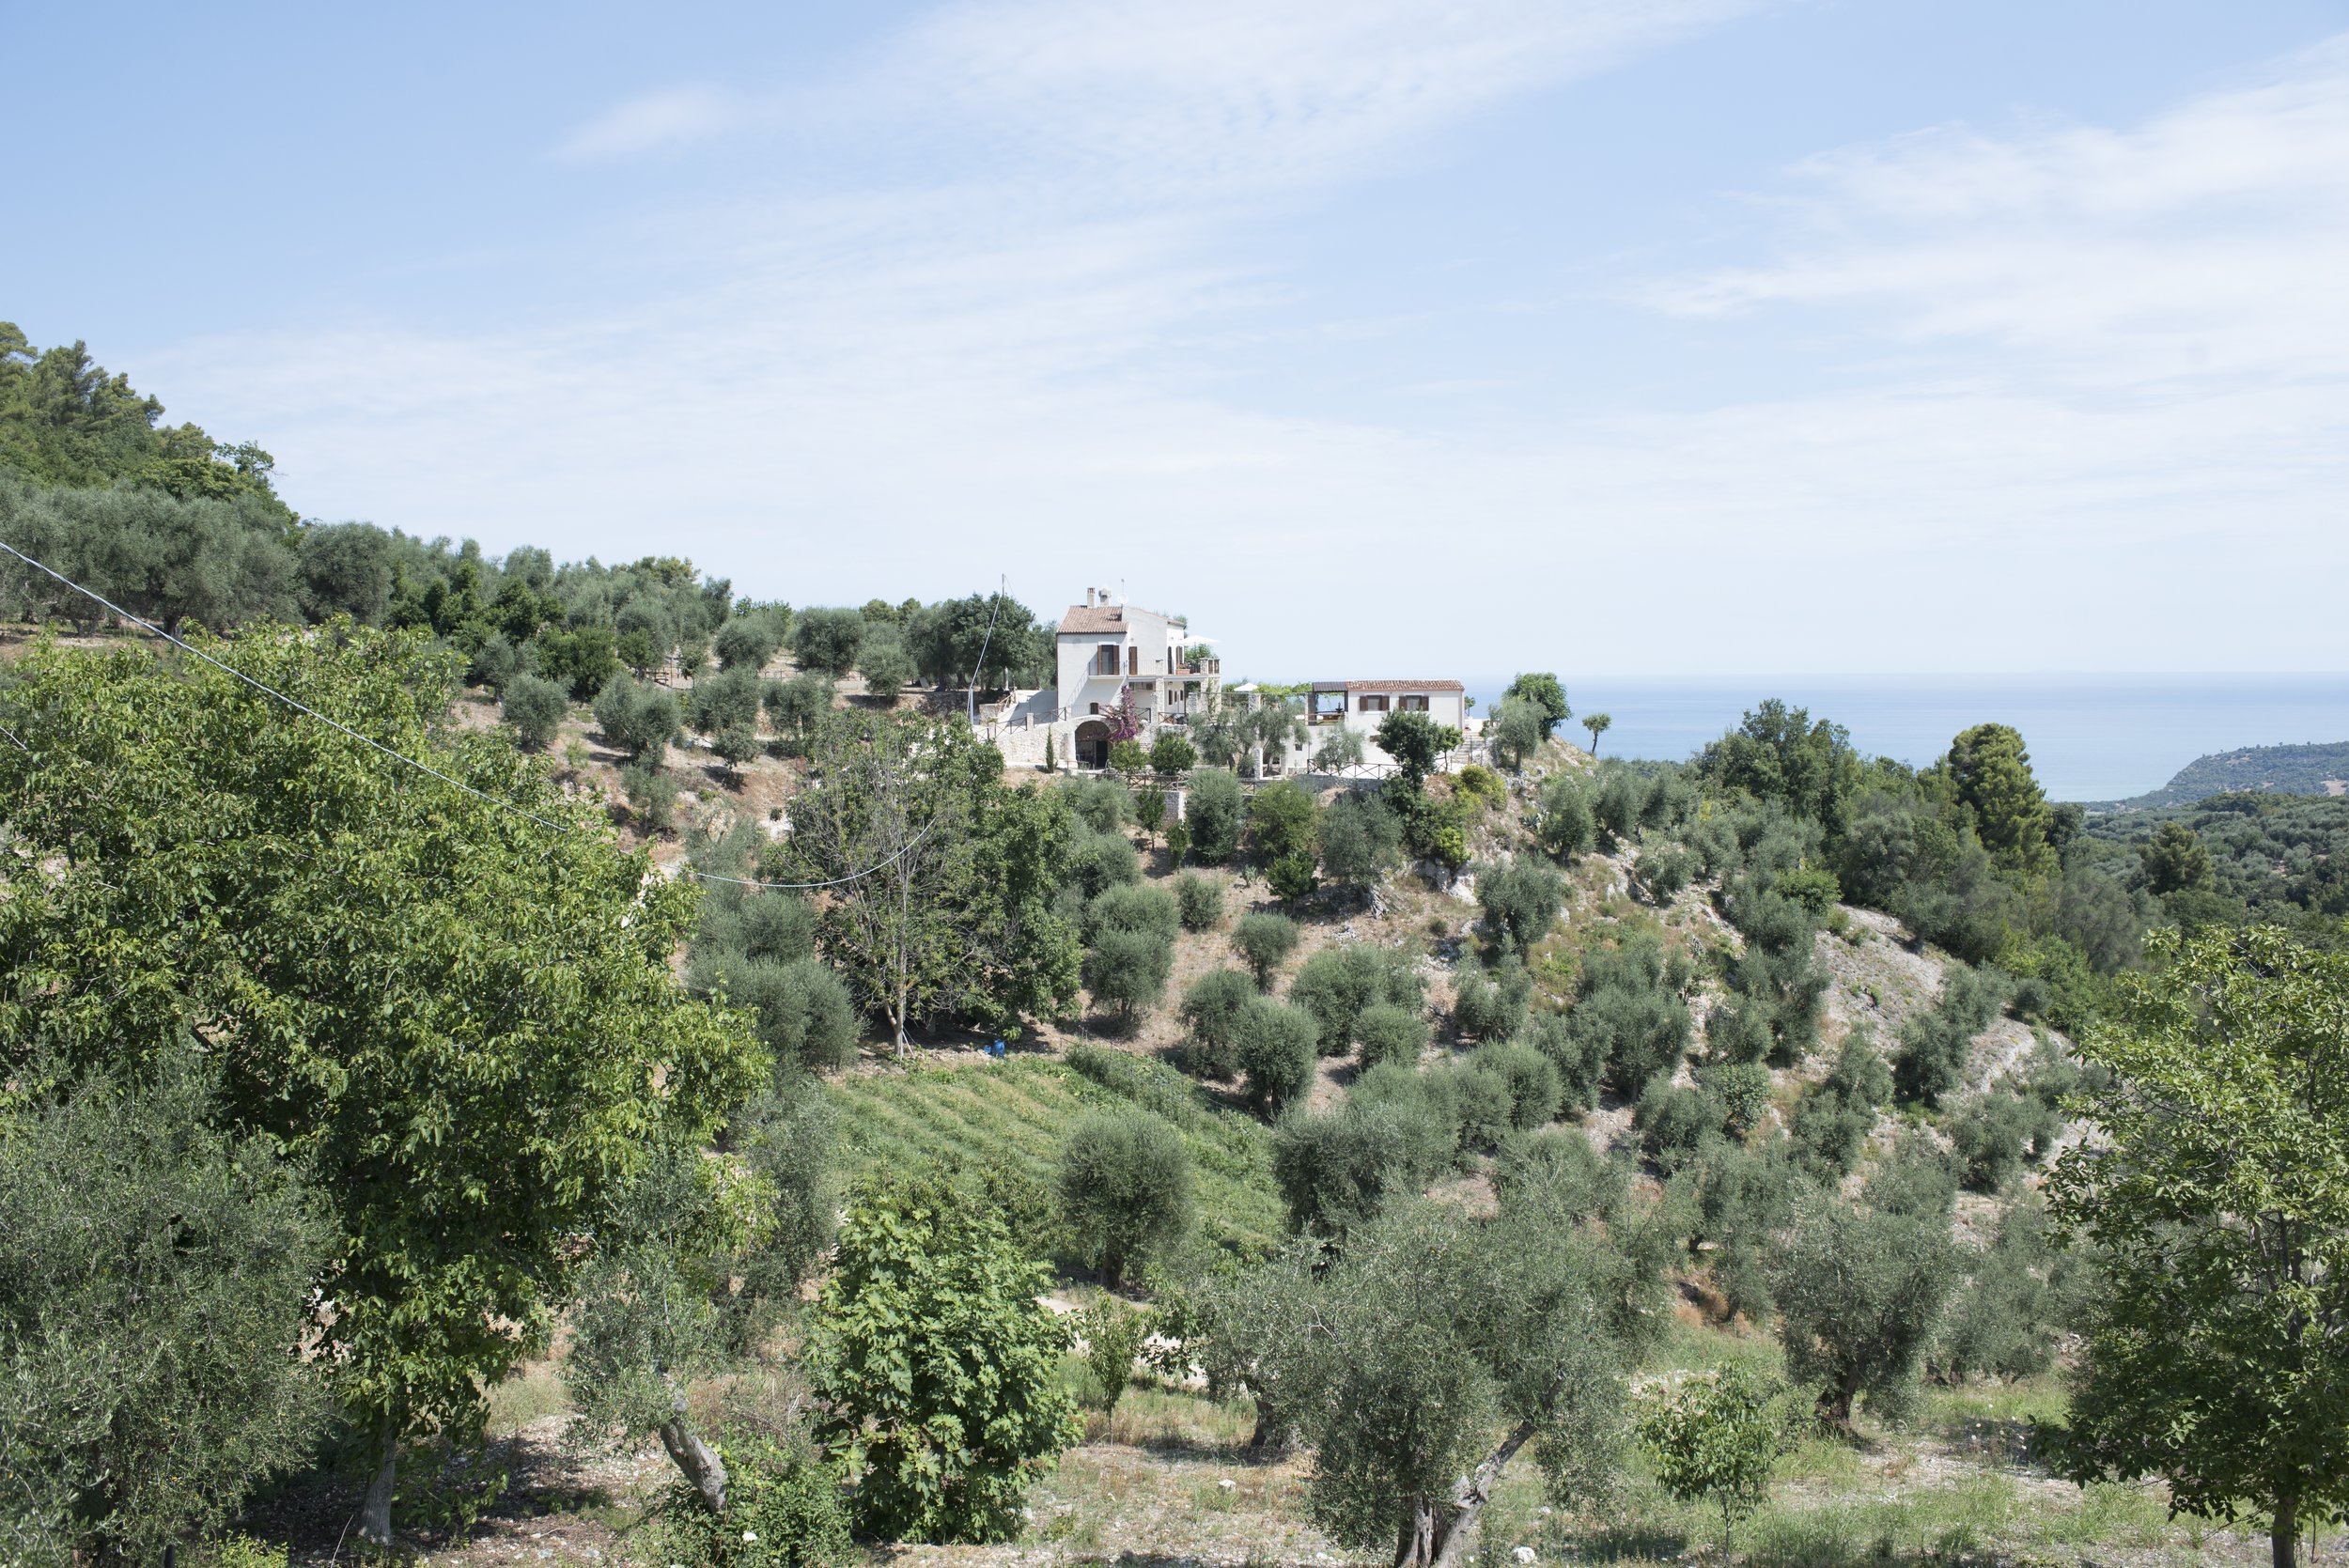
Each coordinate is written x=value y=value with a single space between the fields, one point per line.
x=1470 y=1496
x=696 y=1460
x=1415 y=1541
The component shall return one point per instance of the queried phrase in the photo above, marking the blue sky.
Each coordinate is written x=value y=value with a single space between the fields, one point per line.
x=1696 y=336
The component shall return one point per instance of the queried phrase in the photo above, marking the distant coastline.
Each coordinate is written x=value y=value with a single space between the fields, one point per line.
x=2092 y=738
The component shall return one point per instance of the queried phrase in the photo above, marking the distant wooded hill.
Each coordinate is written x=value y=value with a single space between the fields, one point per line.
x=2315 y=769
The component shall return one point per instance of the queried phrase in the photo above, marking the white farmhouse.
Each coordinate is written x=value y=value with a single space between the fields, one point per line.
x=1124 y=668
x=1363 y=704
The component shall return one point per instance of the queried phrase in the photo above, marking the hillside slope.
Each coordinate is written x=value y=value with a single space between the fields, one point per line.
x=2312 y=770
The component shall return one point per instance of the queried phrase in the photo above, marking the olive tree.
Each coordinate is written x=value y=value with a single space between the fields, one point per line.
x=535 y=707
x=639 y=718
x=1276 y=1051
x=1562 y=823
x=1415 y=742
x=1129 y=948
x=1439 y=1348
x=1360 y=837
x=1213 y=815
x=1541 y=692
x=1518 y=731
x=1521 y=902
x=1125 y=1188
x=1264 y=943
x=155 y=1279
x=1212 y=1010
x=1861 y=1290
x=826 y=641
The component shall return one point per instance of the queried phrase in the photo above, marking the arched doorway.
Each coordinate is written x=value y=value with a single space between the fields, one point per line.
x=1093 y=744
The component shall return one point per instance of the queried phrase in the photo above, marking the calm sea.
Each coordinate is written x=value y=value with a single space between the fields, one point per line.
x=2091 y=737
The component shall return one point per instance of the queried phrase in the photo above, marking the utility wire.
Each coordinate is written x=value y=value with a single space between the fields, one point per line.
x=299 y=707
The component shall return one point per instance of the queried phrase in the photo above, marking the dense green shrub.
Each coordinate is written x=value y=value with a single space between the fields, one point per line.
x=1521 y=902
x=1283 y=824
x=1937 y=1046
x=1337 y=983
x=1360 y=839
x=639 y=718
x=1563 y=1172
x=1629 y=1014
x=1745 y=1197
x=939 y=1368
x=1664 y=869
x=1103 y=804
x=535 y=707
x=746 y=642
x=1213 y=1009
x=727 y=700
x=1994 y=1133
x=1337 y=1169
x=1212 y=810
x=1477 y=1104
x=1264 y=941
x=1579 y=1055
x=1277 y=1049
x=783 y=1510
x=154 y=1279
x=1835 y=1115
x=1743 y=1090
x=827 y=640
x=1564 y=825
x=1198 y=901
x=1129 y=948
x=1490 y=1004
x=797 y=707
x=2021 y=1298
x=802 y=1009
x=1533 y=1080
x=1675 y=1122
x=1738 y=1029
x=1125 y=1188
x=1097 y=861
x=1386 y=1032
x=1621 y=797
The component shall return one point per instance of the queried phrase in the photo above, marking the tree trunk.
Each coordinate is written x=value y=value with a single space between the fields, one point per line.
x=1271 y=1431
x=375 y=1508
x=702 y=1468
x=1469 y=1498
x=905 y=920
x=2283 y=1532
x=1415 y=1541
x=1834 y=1409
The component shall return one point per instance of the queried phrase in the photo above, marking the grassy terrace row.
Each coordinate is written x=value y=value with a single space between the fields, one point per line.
x=1017 y=1112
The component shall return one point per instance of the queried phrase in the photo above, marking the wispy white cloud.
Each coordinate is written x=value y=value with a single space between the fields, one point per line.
x=2071 y=356
x=658 y=122
x=2209 y=242
x=1138 y=99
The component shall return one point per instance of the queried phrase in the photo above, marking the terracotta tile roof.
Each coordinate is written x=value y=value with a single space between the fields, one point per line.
x=1404 y=686
x=1093 y=619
